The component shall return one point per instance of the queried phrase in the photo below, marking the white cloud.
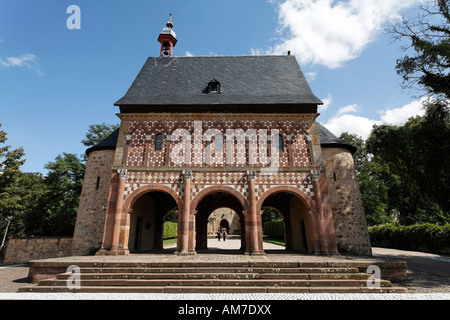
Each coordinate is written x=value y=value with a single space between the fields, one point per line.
x=347 y=109
x=311 y=76
x=326 y=103
x=401 y=115
x=331 y=32
x=188 y=54
x=26 y=60
x=350 y=123
x=342 y=121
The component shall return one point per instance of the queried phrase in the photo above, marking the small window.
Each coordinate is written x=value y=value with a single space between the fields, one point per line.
x=279 y=142
x=158 y=142
x=98 y=183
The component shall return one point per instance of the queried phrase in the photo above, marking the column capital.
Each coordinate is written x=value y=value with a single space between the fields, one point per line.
x=315 y=174
x=251 y=174
x=122 y=173
x=187 y=174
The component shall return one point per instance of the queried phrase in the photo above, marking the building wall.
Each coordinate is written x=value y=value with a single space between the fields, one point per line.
x=90 y=222
x=22 y=250
x=345 y=197
x=341 y=199
x=135 y=151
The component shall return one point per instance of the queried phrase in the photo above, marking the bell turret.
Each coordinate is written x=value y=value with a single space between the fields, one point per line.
x=168 y=39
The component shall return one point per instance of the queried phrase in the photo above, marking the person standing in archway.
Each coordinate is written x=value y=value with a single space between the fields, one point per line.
x=224 y=234
x=218 y=234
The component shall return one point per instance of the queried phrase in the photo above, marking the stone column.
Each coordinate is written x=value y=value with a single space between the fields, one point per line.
x=183 y=220
x=322 y=237
x=191 y=231
x=253 y=222
x=115 y=247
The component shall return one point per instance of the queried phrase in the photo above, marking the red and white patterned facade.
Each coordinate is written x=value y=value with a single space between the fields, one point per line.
x=190 y=165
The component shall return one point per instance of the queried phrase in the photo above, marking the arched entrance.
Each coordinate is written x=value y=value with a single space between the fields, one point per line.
x=295 y=210
x=148 y=209
x=224 y=225
x=207 y=202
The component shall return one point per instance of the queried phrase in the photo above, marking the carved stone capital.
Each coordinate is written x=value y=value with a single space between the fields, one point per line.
x=187 y=174
x=251 y=174
x=315 y=174
x=122 y=173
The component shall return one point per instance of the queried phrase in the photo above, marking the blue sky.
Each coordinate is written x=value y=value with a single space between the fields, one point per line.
x=55 y=82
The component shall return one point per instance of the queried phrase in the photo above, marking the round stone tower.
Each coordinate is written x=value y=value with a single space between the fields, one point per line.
x=88 y=234
x=349 y=218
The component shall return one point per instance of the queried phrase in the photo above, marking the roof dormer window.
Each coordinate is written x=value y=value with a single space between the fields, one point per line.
x=213 y=87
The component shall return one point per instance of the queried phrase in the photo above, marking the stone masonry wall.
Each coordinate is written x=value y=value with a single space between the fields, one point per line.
x=349 y=219
x=21 y=250
x=90 y=222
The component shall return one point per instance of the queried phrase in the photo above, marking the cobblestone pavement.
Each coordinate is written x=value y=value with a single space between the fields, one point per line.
x=428 y=279
x=426 y=273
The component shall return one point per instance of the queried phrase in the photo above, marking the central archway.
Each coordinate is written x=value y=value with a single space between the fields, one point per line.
x=210 y=199
x=147 y=208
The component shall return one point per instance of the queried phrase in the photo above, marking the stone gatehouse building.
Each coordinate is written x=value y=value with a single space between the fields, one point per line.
x=202 y=133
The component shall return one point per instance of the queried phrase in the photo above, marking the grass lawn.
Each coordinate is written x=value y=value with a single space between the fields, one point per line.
x=274 y=240
x=169 y=241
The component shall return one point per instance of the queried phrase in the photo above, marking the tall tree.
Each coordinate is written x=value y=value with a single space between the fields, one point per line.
x=416 y=158
x=64 y=182
x=98 y=132
x=428 y=35
x=10 y=162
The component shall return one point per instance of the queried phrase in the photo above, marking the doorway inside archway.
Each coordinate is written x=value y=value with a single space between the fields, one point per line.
x=218 y=212
x=147 y=221
x=224 y=226
x=289 y=223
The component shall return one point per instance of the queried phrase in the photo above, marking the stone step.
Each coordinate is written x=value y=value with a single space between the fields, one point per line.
x=84 y=270
x=215 y=282
x=220 y=264
x=209 y=276
x=216 y=289
x=117 y=276
x=281 y=276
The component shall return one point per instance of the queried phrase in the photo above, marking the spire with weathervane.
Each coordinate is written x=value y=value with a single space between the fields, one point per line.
x=168 y=39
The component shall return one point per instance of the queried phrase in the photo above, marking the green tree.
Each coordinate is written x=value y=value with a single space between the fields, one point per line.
x=428 y=35
x=10 y=198
x=98 y=132
x=270 y=215
x=64 y=182
x=416 y=158
x=31 y=219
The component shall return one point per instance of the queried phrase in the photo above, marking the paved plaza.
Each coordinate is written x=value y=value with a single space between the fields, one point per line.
x=428 y=278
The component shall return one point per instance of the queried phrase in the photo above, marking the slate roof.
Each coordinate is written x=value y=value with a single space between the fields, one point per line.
x=327 y=140
x=109 y=143
x=244 y=81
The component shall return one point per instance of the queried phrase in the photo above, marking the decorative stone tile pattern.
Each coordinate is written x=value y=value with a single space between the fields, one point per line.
x=218 y=143
x=203 y=180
